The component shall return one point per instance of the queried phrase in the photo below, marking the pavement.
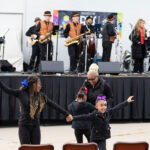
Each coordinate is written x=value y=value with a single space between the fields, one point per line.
x=61 y=134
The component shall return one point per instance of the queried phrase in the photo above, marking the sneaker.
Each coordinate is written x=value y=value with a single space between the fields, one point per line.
x=142 y=73
x=134 y=73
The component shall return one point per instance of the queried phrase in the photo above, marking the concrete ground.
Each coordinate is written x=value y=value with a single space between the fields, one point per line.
x=58 y=135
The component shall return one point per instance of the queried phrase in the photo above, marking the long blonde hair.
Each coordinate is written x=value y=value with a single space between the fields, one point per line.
x=35 y=98
x=137 y=26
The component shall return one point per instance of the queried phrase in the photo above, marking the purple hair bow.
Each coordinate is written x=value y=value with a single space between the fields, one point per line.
x=101 y=98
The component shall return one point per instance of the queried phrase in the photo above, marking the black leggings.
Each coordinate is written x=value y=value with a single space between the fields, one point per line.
x=29 y=134
x=101 y=144
x=79 y=134
x=138 y=65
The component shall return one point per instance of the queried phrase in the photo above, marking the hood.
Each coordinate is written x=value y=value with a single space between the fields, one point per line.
x=78 y=106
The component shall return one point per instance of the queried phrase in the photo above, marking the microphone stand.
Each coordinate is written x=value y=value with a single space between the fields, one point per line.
x=57 y=44
x=47 y=50
x=3 y=37
x=85 y=65
x=132 y=61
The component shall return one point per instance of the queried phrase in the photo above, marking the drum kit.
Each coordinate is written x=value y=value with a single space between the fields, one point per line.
x=88 y=51
x=127 y=61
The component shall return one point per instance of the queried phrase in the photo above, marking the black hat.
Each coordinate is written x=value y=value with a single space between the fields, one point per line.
x=75 y=14
x=110 y=17
x=37 y=19
x=89 y=17
x=47 y=13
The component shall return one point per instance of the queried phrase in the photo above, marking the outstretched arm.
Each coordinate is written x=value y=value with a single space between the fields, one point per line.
x=85 y=117
x=121 y=105
x=56 y=107
x=14 y=92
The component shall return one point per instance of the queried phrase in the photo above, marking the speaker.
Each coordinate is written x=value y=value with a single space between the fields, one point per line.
x=5 y=66
x=51 y=67
x=109 y=67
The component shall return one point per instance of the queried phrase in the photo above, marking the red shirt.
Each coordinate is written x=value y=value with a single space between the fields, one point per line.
x=142 y=35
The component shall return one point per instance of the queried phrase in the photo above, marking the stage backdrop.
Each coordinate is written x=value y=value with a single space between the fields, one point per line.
x=63 y=17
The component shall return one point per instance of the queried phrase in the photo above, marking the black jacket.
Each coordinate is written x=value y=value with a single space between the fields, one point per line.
x=108 y=30
x=24 y=101
x=31 y=31
x=79 y=108
x=102 y=87
x=138 y=51
x=84 y=29
x=100 y=129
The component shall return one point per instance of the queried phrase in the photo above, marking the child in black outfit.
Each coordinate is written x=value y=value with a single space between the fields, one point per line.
x=100 y=129
x=79 y=107
x=32 y=102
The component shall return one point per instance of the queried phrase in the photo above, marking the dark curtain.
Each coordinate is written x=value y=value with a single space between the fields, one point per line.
x=63 y=91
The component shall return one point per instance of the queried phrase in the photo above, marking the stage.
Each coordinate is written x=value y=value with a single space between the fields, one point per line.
x=63 y=88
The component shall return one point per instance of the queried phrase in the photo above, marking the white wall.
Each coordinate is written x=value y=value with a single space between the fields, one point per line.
x=132 y=10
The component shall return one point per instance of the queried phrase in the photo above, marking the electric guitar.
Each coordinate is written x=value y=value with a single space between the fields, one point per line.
x=32 y=41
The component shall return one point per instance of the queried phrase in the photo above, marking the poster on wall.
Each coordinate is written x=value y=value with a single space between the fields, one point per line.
x=63 y=17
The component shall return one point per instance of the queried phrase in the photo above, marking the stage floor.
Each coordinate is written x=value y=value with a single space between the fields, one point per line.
x=58 y=135
x=123 y=74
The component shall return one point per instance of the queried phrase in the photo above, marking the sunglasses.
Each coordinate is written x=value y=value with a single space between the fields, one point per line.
x=92 y=79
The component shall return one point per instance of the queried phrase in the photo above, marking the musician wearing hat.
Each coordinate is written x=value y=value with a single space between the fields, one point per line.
x=35 y=46
x=44 y=31
x=89 y=41
x=108 y=36
x=88 y=25
x=73 y=30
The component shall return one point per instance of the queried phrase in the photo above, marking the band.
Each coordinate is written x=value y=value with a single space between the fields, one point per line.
x=81 y=41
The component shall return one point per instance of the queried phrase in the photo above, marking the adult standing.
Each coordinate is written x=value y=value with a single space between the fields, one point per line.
x=96 y=85
x=138 y=38
x=71 y=31
x=35 y=47
x=108 y=36
x=44 y=31
x=87 y=43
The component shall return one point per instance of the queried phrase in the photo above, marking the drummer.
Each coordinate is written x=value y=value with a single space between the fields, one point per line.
x=91 y=37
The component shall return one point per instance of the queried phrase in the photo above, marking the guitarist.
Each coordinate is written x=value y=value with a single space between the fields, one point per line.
x=108 y=36
x=45 y=27
x=72 y=30
x=35 y=48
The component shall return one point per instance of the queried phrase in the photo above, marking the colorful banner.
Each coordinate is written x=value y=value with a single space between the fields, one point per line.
x=62 y=18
